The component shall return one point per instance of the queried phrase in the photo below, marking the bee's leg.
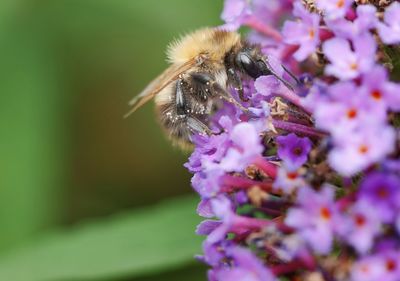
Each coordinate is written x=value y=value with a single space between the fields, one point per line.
x=198 y=126
x=237 y=83
x=183 y=109
x=182 y=106
x=214 y=89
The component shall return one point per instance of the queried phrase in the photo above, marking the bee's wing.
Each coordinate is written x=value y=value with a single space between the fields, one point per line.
x=162 y=81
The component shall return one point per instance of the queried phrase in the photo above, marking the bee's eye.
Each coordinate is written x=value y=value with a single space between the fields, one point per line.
x=245 y=62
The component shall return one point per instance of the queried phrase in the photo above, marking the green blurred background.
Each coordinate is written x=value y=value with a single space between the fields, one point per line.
x=68 y=69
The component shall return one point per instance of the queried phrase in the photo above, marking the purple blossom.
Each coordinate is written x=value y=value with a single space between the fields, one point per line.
x=213 y=253
x=288 y=180
x=245 y=267
x=235 y=13
x=381 y=93
x=382 y=190
x=263 y=188
x=365 y=21
x=208 y=149
x=382 y=266
x=269 y=87
x=204 y=208
x=229 y=221
x=304 y=32
x=348 y=64
x=293 y=149
x=257 y=14
x=334 y=8
x=315 y=218
x=346 y=108
x=362 y=225
x=389 y=30
x=208 y=183
x=398 y=223
x=355 y=152
x=245 y=148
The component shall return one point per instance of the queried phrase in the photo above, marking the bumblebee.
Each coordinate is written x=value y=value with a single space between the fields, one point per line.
x=203 y=66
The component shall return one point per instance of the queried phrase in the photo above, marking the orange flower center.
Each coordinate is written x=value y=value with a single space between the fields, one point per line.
x=377 y=95
x=325 y=213
x=340 y=3
x=292 y=175
x=364 y=268
x=297 y=151
x=391 y=265
x=354 y=66
x=312 y=33
x=352 y=113
x=382 y=192
x=363 y=149
x=360 y=220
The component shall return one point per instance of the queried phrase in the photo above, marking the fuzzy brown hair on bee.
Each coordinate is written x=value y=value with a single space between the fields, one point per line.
x=204 y=65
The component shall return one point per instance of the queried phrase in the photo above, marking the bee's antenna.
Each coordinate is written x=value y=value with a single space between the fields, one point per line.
x=291 y=74
x=272 y=71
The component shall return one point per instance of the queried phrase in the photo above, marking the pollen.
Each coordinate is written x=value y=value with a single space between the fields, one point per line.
x=325 y=213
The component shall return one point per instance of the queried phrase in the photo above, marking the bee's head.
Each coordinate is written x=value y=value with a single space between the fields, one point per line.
x=249 y=61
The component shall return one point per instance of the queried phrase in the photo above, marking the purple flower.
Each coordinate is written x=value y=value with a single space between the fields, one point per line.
x=382 y=191
x=304 y=32
x=293 y=150
x=348 y=64
x=334 y=8
x=389 y=31
x=204 y=208
x=235 y=13
x=288 y=180
x=245 y=267
x=208 y=183
x=229 y=221
x=245 y=147
x=365 y=21
x=315 y=218
x=208 y=149
x=381 y=93
x=213 y=253
x=268 y=86
x=398 y=223
x=347 y=109
x=207 y=226
x=361 y=226
x=222 y=208
x=358 y=150
x=275 y=201
x=382 y=266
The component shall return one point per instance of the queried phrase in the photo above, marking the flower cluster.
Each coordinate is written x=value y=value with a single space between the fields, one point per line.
x=305 y=184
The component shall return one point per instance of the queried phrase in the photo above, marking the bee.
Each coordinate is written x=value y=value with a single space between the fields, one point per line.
x=204 y=65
